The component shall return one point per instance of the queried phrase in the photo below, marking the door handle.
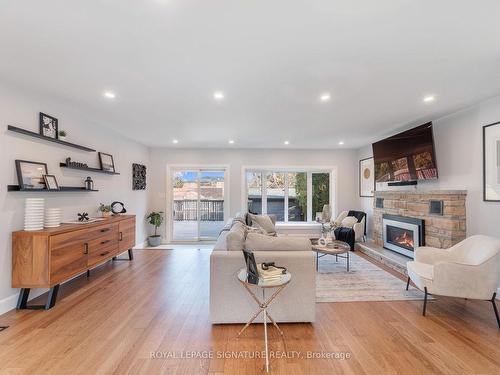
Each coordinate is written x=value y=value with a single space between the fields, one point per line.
x=86 y=248
x=121 y=236
x=104 y=242
x=104 y=230
x=105 y=253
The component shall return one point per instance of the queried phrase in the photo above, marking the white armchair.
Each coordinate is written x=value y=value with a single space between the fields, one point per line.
x=466 y=270
x=359 y=228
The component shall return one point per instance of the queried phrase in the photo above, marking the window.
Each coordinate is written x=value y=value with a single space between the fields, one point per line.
x=291 y=195
x=254 y=192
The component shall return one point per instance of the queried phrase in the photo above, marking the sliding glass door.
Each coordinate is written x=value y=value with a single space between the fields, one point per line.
x=197 y=204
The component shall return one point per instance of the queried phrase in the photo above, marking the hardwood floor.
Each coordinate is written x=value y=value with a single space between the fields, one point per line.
x=110 y=324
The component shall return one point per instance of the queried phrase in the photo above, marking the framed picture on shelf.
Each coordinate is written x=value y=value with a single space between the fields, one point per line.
x=491 y=162
x=30 y=174
x=107 y=163
x=366 y=178
x=48 y=126
x=51 y=182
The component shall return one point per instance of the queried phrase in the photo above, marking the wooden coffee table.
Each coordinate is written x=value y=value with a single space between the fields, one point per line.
x=336 y=248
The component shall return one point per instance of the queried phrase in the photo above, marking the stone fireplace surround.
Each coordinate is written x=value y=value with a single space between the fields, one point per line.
x=441 y=231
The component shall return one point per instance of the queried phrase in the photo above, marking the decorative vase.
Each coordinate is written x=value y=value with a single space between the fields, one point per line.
x=33 y=213
x=62 y=137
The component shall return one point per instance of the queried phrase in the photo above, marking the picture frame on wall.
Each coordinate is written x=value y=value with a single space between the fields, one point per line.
x=51 y=182
x=30 y=174
x=107 y=162
x=491 y=162
x=49 y=126
x=366 y=178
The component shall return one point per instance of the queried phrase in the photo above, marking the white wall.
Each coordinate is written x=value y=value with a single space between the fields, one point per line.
x=344 y=160
x=20 y=110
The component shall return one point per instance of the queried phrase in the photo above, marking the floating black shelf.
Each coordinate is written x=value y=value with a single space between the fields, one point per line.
x=62 y=189
x=88 y=169
x=39 y=136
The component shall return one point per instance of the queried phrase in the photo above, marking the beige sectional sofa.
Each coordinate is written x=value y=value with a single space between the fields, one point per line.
x=230 y=302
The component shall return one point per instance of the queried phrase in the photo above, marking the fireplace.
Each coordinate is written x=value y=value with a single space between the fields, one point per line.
x=402 y=234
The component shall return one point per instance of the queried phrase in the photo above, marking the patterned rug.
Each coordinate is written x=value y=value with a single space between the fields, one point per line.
x=364 y=282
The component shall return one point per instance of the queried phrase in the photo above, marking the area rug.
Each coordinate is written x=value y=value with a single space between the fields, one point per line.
x=364 y=282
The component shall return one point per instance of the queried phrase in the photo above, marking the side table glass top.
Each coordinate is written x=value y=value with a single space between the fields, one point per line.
x=284 y=279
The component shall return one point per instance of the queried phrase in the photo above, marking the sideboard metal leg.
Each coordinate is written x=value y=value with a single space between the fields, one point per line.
x=23 y=298
x=408 y=283
x=52 y=297
x=130 y=254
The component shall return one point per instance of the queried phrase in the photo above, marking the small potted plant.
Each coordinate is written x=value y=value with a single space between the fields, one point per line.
x=155 y=219
x=62 y=135
x=104 y=209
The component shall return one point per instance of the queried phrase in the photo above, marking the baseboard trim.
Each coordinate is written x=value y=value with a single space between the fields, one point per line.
x=9 y=303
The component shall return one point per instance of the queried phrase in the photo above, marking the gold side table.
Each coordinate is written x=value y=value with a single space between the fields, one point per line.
x=263 y=304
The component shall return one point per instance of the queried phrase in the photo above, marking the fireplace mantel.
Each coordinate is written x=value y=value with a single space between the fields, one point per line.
x=441 y=230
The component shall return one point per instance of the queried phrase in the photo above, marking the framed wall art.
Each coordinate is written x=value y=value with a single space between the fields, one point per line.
x=366 y=178
x=491 y=162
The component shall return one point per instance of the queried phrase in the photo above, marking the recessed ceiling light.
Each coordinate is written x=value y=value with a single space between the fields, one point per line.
x=325 y=97
x=231 y=142
x=429 y=98
x=175 y=141
x=109 y=94
x=286 y=142
x=341 y=143
x=219 y=95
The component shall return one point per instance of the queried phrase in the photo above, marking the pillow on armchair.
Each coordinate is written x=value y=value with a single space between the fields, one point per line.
x=349 y=222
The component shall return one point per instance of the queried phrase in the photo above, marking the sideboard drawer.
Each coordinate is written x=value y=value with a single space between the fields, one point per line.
x=102 y=248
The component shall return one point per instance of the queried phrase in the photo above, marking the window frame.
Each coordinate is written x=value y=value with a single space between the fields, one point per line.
x=264 y=170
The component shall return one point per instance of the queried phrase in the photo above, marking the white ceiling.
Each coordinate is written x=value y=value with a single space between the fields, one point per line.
x=272 y=58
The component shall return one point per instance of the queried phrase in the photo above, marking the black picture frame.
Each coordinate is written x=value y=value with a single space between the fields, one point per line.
x=359 y=179
x=252 y=272
x=51 y=182
x=49 y=126
x=106 y=164
x=41 y=170
x=485 y=197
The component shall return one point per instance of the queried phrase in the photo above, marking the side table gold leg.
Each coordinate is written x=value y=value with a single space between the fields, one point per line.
x=274 y=323
x=265 y=332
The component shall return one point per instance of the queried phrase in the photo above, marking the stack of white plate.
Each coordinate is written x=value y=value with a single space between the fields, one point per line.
x=52 y=218
x=33 y=213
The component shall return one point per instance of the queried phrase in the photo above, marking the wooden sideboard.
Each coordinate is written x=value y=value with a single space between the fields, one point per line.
x=49 y=257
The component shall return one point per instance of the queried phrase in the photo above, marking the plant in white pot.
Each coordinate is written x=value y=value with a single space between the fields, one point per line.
x=104 y=209
x=155 y=219
x=62 y=135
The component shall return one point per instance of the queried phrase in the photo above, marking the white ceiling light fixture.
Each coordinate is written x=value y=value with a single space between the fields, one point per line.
x=325 y=97
x=429 y=99
x=219 y=95
x=109 y=94
x=175 y=141
x=231 y=142
x=286 y=143
x=341 y=143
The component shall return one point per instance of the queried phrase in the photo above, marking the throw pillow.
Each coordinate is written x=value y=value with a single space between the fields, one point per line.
x=349 y=222
x=264 y=222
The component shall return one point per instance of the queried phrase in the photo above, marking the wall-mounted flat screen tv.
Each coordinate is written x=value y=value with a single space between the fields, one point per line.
x=407 y=156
